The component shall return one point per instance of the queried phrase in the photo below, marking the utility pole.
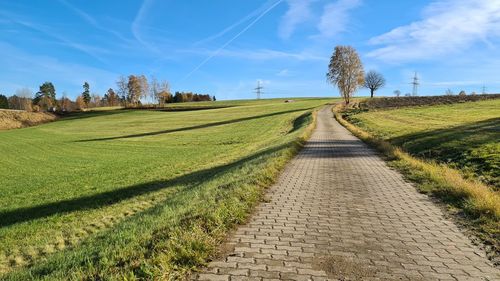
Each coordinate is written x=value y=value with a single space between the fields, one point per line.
x=415 y=85
x=484 y=90
x=258 y=89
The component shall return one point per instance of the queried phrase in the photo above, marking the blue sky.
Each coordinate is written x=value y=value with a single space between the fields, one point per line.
x=223 y=47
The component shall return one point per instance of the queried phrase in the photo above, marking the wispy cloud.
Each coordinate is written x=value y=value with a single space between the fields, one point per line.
x=335 y=17
x=283 y=73
x=233 y=38
x=246 y=18
x=136 y=27
x=92 y=21
x=447 y=27
x=89 y=50
x=263 y=54
x=299 y=11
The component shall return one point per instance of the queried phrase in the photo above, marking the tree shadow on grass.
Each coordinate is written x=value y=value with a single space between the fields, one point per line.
x=90 y=114
x=455 y=145
x=111 y=197
x=300 y=122
x=99 y=113
x=208 y=125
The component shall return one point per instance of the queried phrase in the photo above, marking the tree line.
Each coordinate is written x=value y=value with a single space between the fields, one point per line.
x=132 y=91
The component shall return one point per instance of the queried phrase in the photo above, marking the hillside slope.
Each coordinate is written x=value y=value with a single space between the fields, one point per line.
x=13 y=119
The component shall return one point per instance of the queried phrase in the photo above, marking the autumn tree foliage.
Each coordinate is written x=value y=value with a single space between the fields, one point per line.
x=189 y=97
x=345 y=71
x=80 y=103
x=111 y=98
x=135 y=89
x=65 y=104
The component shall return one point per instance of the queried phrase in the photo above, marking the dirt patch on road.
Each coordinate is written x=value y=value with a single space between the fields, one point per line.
x=342 y=268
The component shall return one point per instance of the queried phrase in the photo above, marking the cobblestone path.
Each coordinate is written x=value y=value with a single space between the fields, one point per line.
x=338 y=212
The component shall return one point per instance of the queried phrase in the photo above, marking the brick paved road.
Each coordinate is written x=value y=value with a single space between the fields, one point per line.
x=338 y=212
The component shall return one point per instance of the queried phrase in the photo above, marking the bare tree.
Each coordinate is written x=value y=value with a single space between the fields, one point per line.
x=25 y=94
x=374 y=81
x=144 y=87
x=345 y=71
x=122 y=90
x=65 y=103
x=153 y=88
x=164 y=95
x=449 y=92
x=397 y=93
x=95 y=100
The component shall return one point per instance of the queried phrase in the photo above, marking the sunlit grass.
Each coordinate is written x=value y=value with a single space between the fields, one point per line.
x=126 y=193
x=463 y=135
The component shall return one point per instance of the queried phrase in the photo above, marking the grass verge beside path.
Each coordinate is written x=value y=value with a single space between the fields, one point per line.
x=181 y=232
x=476 y=206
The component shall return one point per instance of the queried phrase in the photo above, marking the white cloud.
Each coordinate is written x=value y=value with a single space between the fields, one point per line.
x=447 y=27
x=299 y=11
x=283 y=73
x=335 y=17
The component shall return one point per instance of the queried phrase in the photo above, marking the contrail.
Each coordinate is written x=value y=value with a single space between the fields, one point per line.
x=232 y=39
x=236 y=24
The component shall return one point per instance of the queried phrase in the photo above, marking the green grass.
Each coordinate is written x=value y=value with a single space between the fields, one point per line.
x=127 y=194
x=464 y=136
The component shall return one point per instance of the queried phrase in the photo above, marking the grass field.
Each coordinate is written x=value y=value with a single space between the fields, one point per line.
x=463 y=135
x=125 y=194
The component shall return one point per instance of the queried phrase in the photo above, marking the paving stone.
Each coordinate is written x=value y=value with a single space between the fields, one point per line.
x=339 y=212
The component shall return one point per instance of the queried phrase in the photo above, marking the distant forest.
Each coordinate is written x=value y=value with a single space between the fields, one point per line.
x=132 y=91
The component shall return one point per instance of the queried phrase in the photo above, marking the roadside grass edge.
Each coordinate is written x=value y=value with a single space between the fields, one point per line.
x=475 y=205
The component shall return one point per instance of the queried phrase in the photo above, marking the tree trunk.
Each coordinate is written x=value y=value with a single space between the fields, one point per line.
x=371 y=93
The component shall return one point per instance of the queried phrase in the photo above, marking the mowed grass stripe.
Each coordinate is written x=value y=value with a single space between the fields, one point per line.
x=154 y=168
x=464 y=135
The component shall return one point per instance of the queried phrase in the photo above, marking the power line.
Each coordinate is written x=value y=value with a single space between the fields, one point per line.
x=258 y=89
x=415 y=84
